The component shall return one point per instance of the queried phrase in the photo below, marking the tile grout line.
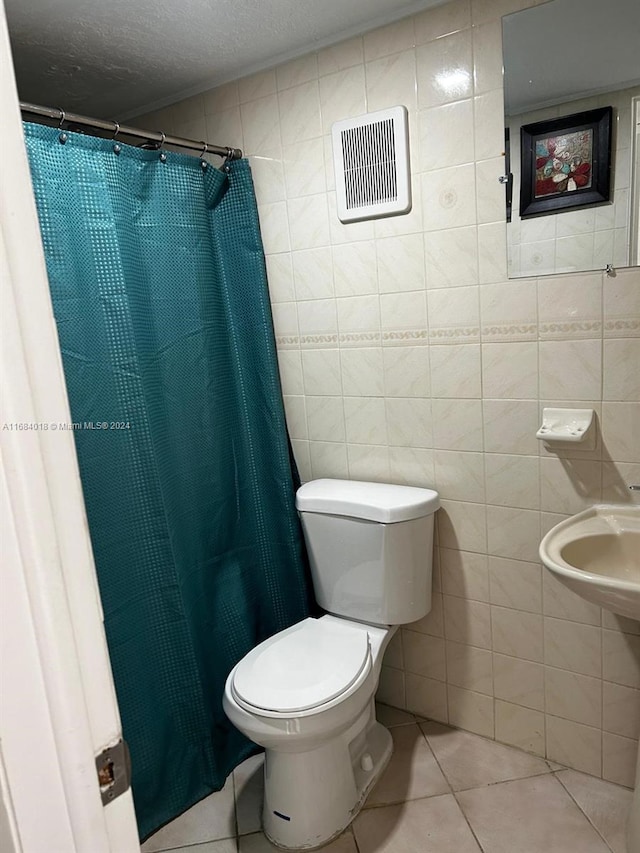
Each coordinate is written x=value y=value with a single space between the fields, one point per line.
x=353 y=835
x=452 y=792
x=235 y=809
x=435 y=758
x=462 y=812
x=582 y=812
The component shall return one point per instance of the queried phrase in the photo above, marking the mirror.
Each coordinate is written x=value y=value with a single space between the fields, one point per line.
x=570 y=59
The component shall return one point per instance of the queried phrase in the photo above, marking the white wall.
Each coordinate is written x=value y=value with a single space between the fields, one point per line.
x=406 y=355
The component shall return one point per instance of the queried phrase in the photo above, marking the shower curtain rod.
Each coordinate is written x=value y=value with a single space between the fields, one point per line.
x=124 y=130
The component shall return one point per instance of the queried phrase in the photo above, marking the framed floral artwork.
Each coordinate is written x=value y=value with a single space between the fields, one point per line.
x=566 y=162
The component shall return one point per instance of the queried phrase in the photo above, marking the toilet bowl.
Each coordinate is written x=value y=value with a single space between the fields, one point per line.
x=307 y=694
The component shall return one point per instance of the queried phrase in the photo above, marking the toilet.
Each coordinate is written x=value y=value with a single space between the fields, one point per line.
x=307 y=694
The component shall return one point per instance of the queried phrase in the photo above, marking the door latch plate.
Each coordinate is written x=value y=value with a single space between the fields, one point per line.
x=113 y=767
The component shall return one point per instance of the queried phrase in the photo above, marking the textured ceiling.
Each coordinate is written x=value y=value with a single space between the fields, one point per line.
x=116 y=58
x=113 y=57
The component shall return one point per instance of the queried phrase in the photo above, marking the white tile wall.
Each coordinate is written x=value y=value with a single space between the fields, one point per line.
x=406 y=355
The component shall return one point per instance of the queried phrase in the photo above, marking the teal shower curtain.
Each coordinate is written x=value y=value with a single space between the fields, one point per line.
x=158 y=282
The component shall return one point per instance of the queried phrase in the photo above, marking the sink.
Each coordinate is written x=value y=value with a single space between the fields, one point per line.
x=596 y=553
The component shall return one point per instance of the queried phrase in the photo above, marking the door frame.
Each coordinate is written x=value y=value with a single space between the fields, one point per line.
x=58 y=706
x=634 y=225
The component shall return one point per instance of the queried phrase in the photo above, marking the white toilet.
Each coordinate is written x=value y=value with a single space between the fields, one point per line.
x=307 y=693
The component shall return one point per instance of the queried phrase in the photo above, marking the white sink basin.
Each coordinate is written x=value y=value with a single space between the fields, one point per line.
x=597 y=555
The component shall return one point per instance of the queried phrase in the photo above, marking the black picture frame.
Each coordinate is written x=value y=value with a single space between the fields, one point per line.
x=598 y=191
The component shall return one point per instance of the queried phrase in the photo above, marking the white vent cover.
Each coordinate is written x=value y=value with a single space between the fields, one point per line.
x=371 y=159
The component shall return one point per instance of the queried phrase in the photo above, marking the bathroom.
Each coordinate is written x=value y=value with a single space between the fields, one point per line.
x=420 y=349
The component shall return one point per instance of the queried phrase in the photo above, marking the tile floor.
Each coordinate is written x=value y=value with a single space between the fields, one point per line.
x=444 y=791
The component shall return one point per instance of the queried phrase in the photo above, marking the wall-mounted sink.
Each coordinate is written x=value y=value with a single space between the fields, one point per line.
x=597 y=555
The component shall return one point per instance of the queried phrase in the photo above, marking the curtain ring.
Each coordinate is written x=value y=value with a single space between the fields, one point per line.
x=62 y=136
x=163 y=156
x=203 y=162
x=116 y=148
x=225 y=166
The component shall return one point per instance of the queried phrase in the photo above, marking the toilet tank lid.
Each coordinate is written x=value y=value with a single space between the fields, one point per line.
x=371 y=501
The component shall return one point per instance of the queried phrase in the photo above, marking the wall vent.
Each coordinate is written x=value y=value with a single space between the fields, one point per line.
x=371 y=159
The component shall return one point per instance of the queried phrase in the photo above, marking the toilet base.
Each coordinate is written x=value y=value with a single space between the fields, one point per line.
x=311 y=797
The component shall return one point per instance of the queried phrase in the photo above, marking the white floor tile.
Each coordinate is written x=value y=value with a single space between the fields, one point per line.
x=248 y=778
x=469 y=761
x=229 y=845
x=529 y=816
x=257 y=843
x=512 y=800
x=209 y=820
x=433 y=825
x=606 y=805
x=412 y=772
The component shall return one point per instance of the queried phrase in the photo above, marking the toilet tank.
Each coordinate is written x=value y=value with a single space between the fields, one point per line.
x=370 y=547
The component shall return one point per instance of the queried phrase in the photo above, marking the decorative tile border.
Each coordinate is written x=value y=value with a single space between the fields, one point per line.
x=514 y=332
x=622 y=327
x=455 y=334
x=390 y=337
x=575 y=329
x=405 y=337
x=359 y=339
x=616 y=328
x=287 y=341
x=319 y=341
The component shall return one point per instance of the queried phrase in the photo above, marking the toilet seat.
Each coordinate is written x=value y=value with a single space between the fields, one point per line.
x=303 y=667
